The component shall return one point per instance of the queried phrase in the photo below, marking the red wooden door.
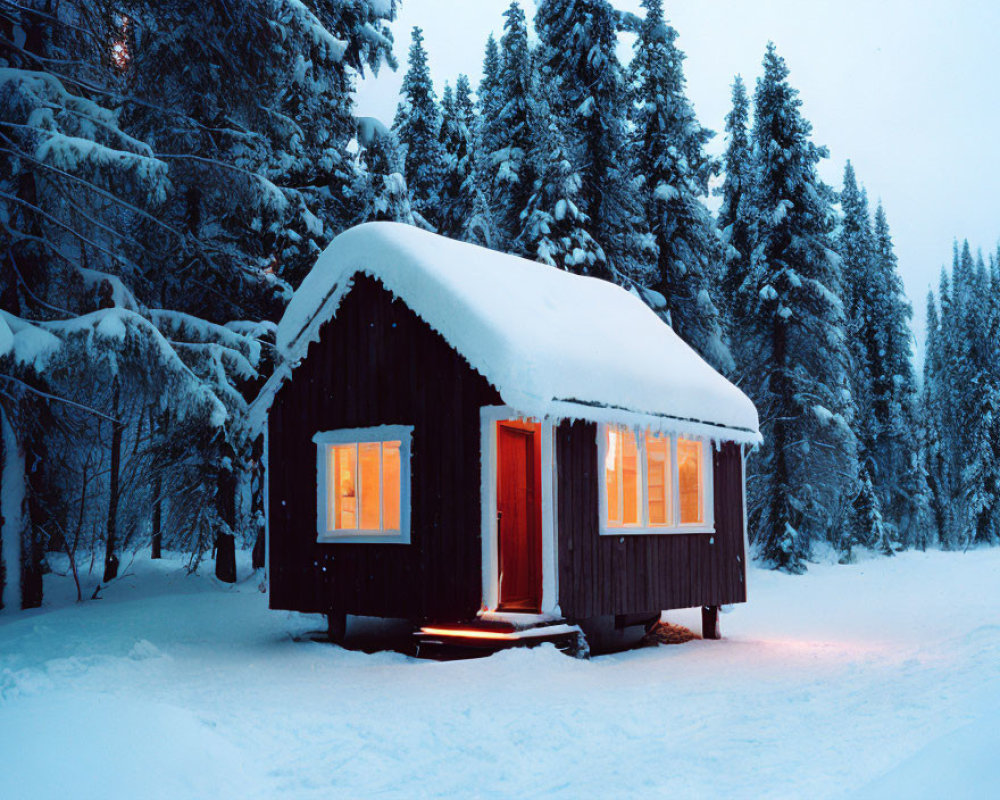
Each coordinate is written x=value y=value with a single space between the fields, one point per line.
x=519 y=515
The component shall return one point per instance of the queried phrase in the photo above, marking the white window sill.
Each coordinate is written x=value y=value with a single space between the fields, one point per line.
x=637 y=531
x=363 y=537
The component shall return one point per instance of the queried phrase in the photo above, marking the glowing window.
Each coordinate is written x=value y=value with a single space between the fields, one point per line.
x=690 y=465
x=658 y=480
x=621 y=467
x=654 y=483
x=363 y=484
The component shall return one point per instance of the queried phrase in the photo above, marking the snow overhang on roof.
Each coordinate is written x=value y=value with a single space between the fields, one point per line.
x=553 y=344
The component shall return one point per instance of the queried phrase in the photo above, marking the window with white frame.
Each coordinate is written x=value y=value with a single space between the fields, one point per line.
x=363 y=485
x=651 y=483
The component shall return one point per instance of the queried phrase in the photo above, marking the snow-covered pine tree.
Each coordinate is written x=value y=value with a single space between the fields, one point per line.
x=960 y=402
x=802 y=478
x=192 y=89
x=388 y=199
x=226 y=362
x=937 y=410
x=979 y=399
x=895 y=396
x=675 y=171
x=555 y=229
x=71 y=180
x=481 y=228
x=865 y=526
x=25 y=352
x=321 y=48
x=577 y=60
x=153 y=194
x=509 y=171
x=250 y=106
x=733 y=223
x=457 y=197
x=917 y=521
x=855 y=245
x=418 y=127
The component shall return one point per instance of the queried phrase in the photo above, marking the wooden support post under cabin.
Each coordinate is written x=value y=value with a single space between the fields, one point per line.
x=336 y=626
x=710 y=622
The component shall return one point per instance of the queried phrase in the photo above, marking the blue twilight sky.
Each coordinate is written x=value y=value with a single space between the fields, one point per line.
x=906 y=89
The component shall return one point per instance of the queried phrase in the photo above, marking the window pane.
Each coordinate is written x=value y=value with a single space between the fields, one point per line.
x=369 y=462
x=630 y=478
x=344 y=486
x=657 y=477
x=689 y=458
x=391 y=486
x=611 y=482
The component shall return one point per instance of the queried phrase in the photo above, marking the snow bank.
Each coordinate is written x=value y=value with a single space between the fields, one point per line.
x=961 y=765
x=552 y=343
x=166 y=752
x=175 y=685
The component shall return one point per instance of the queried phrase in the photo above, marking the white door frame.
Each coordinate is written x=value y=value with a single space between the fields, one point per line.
x=489 y=416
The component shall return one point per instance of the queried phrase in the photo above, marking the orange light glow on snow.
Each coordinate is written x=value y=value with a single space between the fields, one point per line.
x=467 y=634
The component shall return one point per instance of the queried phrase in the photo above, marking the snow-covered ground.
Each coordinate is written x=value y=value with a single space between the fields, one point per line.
x=880 y=679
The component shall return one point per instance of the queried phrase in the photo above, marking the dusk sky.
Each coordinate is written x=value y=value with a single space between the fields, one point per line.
x=905 y=89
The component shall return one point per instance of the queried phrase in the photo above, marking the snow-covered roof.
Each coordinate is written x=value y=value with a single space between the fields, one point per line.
x=553 y=344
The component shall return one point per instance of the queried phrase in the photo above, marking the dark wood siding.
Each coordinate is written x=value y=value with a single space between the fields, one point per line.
x=377 y=363
x=632 y=574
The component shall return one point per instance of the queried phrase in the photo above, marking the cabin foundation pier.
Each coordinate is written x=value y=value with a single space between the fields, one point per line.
x=710 y=622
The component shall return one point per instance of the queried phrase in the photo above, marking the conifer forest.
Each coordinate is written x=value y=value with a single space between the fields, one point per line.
x=170 y=171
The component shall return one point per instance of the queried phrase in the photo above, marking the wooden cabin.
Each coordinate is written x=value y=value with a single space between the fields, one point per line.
x=478 y=443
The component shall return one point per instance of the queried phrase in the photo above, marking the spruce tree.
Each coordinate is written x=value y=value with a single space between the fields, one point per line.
x=418 y=127
x=481 y=227
x=319 y=51
x=388 y=198
x=856 y=247
x=456 y=197
x=865 y=527
x=802 y=478
x=937 y=407
x=961 y=401
x=555 y=229
x=980 y=460
x=732 y=219
x=675 y=171
x=895 y=396
x=577 y=59
x=510 y=171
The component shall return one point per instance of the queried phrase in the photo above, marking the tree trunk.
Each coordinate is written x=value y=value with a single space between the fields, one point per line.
x=257 y=489
x=259 y=550
x=12 y=480
x=225 y=540
x=110 y=558
x=225 y=557
x=34 y=543
x=157 y=515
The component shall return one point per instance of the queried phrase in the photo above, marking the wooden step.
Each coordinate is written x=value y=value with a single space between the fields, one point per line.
x=490 y=634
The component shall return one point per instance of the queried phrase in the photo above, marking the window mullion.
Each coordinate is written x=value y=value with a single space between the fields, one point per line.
x=675 y=485
x=620 y=478
x=357 y=486
x=643 y=481
x=330 y=465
